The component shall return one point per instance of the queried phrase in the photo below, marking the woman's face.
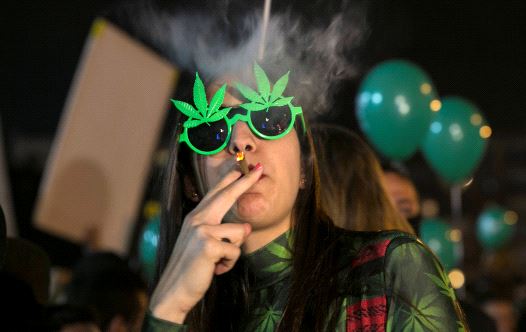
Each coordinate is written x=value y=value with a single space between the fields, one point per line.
x=267 y=205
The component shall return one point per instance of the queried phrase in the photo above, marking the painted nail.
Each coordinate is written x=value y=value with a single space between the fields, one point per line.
x=258 y=166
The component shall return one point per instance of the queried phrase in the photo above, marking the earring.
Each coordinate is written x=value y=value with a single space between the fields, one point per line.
x=302 y=181
x=194 y=196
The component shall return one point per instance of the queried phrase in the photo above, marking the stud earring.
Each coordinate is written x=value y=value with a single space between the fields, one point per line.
x=302 y=182
x=194 y=197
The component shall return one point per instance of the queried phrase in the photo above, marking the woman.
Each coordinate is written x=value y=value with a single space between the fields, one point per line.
x=352 y=193
x=254 y=252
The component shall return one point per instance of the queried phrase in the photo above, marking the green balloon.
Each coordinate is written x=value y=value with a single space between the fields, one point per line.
x=454 y=144
x=435 y=233
x=495 y=227
x=148 y=244
x=394 y=107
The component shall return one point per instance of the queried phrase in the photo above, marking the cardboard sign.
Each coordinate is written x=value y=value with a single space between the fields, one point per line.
x=101 y=157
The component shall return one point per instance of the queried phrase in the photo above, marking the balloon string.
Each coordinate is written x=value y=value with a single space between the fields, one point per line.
x=456 y=222
x=264 y=25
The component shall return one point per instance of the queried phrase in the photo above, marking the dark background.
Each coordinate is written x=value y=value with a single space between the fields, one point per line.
x=473 y=49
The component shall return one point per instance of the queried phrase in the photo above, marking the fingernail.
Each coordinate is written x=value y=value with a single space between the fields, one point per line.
x=248 y=229
x=258 y=167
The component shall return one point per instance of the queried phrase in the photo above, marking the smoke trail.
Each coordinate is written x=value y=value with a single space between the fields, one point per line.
x=223 y=41
x=264 y=28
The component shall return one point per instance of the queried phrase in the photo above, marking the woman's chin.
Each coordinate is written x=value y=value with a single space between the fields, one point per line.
x=251 y=207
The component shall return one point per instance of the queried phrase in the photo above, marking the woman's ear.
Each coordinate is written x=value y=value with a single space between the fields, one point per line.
x=190 y=190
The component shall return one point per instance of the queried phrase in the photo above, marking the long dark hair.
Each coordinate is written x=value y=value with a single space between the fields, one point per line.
x=313 y=299
x=353 y=194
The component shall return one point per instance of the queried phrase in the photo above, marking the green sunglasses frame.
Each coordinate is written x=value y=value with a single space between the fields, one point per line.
x=261 y=101
x=295 y=111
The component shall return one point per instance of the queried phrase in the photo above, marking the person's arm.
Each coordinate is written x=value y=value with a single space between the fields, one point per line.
x=419 y=294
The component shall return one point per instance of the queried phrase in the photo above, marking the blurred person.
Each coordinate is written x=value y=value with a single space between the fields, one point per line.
x=403 y=193
x=68 y=318
x=496 y=299
x=20 y=309
x=502 y=311
x=478 y=320
x=352 y=193
x=24 y=282
x=30 y=263
x=104 y=282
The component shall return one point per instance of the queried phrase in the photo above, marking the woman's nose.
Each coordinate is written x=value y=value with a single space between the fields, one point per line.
x=241 y=138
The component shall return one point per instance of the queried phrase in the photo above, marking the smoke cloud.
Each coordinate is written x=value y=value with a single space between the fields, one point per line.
x=225 y=41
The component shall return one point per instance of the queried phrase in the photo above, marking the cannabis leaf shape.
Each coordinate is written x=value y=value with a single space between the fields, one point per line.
x=422 y=314
x=284 y=255
x=204 y=113
x=264 y=98
x=442 y=282
x=268 y=319
x=445 y=288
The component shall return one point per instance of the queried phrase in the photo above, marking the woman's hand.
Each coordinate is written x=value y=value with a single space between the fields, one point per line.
x=204 y=247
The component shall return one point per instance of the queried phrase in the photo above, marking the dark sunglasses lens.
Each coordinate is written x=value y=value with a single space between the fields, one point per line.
x=273 y=122
x=208 y=137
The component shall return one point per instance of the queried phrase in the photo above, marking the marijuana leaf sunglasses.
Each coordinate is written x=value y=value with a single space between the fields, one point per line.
x=268 y=114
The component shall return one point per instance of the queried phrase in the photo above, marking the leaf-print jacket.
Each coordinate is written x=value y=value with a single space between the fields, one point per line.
x=393 y=283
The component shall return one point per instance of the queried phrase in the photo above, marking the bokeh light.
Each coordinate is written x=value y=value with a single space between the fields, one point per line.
x=457 y=278
x=435 y=105
x=485 y=131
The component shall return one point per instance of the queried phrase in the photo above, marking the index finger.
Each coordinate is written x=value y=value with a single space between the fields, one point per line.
x=222 y=201
x=229 y=178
